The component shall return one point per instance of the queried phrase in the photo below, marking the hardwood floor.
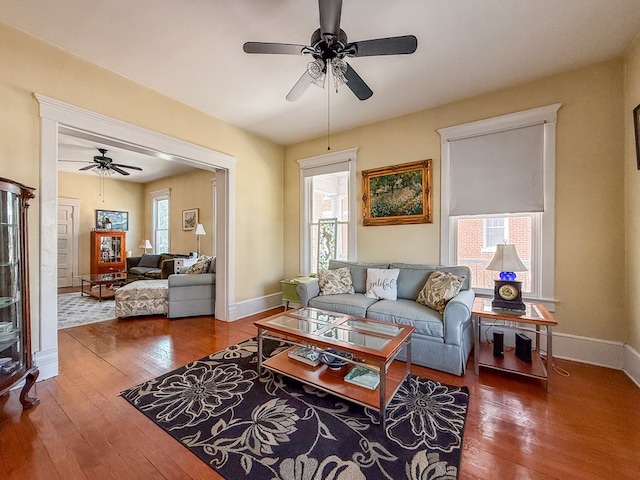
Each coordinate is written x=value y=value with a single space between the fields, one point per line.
x=588 y=428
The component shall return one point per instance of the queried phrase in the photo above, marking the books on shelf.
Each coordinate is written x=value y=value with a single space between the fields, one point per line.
x=363 y=377
x=306 y=355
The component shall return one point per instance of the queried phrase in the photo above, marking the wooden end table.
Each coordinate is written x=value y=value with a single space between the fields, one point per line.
x=535 y=317
x=373 y=343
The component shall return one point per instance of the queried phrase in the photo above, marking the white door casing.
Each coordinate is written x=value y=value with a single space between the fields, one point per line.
x=57 y=116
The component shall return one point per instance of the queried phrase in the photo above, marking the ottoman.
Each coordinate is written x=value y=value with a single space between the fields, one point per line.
x=143 y=297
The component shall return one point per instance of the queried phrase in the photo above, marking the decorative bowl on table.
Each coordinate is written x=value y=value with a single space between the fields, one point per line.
x=336 y=361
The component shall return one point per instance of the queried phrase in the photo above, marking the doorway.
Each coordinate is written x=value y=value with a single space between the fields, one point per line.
x=58 y=117
x=68 y=230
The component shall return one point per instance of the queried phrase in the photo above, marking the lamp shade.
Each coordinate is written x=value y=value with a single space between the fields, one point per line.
x=506 y=259
x=200 y=230
x=145 y=244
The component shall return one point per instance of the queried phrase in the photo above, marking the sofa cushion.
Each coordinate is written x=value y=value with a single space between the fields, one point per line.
x=358 y=272
x=145 y=271
x=382 y=283
x=348 y=303
x=413 y=277
x=439 y=289
x=333 y=282
x=150 y=261
x=407 y=312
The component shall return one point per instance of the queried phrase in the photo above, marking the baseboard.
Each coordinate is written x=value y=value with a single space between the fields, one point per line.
x=47 y=363
x=256 y=305
x=593 y=351
x=632 y=364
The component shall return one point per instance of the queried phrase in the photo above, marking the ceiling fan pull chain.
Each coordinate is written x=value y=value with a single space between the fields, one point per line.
x=329 y=117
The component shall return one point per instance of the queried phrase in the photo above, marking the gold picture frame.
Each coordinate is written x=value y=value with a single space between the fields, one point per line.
x=397 y=195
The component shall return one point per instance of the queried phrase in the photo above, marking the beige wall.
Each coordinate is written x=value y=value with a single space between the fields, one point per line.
x=30 y=66
x=188 y=191
x=117 y=195
x=589 y=187
x=632 y=188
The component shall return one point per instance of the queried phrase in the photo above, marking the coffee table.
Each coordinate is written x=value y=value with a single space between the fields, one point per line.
x=374 y=345
x=104 y=282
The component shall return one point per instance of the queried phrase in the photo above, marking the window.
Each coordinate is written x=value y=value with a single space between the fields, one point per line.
x=327 y=186
x=495 y=230
x=498 y=184
x=160 y=221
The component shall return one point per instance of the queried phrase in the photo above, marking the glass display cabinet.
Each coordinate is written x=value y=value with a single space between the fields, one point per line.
x=16 y=360
x=108 y=251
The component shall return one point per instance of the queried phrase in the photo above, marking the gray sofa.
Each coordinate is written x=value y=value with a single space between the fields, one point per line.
x=442 y=342
x=192 y=295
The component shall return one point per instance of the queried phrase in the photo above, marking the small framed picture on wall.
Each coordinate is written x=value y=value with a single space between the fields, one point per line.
x=189 y=219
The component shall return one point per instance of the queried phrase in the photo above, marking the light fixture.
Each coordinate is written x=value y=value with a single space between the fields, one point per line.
x=145 y=245
x=199 y=231
x=507 y=292
x=104 y=171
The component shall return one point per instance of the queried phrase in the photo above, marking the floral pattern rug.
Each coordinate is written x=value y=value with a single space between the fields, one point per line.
x=246 y=425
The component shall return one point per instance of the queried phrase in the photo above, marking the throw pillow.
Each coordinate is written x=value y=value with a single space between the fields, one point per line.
x=333 y=282
x=439 y=289
x=382 y=283
x=201 y=266
x=149 y=261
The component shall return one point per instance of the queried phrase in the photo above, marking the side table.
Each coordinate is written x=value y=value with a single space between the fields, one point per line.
x=535 y=317
x=289 y=293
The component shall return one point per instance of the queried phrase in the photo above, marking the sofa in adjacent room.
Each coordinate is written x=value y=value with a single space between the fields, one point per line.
x=152 y=266
x=442 y=341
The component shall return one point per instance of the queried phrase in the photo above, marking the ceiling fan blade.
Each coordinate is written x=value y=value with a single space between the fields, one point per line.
x=277 y=48
x=403 y=45
x=300 y=87
x=119 y=170
x=330 y=11
x=89 y=167
x=125 y=166
x=356 y=84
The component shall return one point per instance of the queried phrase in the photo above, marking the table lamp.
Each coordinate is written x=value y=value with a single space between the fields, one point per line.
x=199 y=231
x=507 y=293
x=145 y=244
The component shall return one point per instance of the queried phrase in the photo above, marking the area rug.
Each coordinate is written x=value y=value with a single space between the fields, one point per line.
x=246 y=425
x=74 y=310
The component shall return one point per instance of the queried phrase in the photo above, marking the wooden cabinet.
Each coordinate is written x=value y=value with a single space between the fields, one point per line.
x=16 y=360
x=108 y=251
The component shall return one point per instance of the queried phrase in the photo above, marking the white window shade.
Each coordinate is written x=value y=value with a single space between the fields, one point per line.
x=498 y=173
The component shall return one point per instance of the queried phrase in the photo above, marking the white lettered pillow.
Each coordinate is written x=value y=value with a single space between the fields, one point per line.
x=382 y=283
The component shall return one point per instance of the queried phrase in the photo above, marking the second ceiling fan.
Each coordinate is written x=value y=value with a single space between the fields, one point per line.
x=329 y=47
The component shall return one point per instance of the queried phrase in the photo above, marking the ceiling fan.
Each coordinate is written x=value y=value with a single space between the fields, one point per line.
x=329 y=47
x=105 y=165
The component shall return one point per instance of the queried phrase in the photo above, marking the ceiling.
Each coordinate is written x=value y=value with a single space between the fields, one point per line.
x=192 y=51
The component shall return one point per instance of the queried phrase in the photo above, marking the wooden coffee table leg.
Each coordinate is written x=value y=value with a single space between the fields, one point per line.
x=25 y=399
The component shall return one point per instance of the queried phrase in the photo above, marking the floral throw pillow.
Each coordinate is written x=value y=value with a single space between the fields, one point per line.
x=382 y=283
x=201 y=266
x=439 y=289
x=333 y=282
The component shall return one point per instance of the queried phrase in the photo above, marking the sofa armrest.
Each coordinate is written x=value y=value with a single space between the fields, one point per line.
x=167 y=267
x=306 y=290
x=456 y=314
x=132 y=262
x=189 y=280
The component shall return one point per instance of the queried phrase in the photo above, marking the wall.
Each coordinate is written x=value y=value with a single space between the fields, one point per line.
x=30 y=66
x=188 y=191
x=116 y=195
x=632 y=188
x=589 y=187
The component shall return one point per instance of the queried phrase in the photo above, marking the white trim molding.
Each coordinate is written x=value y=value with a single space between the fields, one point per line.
x=632 y=364
x=57 y=116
